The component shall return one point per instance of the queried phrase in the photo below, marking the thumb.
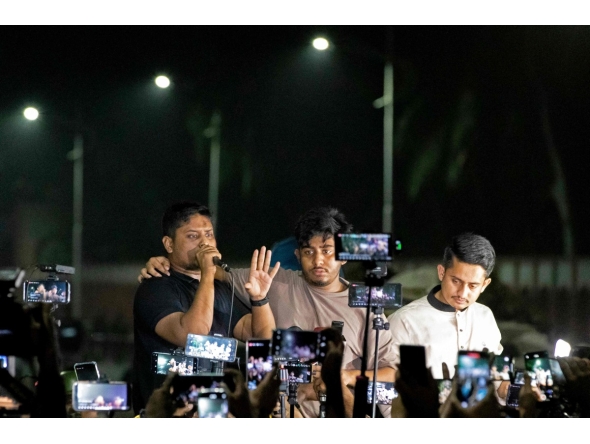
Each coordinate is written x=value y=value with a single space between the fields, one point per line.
x=248 y=286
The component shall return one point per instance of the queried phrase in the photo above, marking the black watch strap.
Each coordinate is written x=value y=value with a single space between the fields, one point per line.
x=259 y=303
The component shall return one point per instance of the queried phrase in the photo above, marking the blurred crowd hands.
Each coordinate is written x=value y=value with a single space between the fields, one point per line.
x=415 y=400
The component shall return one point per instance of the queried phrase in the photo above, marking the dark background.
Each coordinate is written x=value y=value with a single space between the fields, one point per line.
x=472 y=148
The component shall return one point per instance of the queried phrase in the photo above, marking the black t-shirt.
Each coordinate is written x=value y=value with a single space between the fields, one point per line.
x=157 y=298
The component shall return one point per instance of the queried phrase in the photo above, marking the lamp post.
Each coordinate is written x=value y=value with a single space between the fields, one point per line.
x=212 y=132
x=77 y=157
x=385 y=102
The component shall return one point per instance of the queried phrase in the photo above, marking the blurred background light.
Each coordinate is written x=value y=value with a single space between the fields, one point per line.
x=562 y=348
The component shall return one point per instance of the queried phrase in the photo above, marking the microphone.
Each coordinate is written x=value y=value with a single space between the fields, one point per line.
x=221 y=264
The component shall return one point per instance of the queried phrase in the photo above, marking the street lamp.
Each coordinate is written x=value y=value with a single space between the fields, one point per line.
x=31 y=113
x=162 y=82
x=77 y=157
x=212 y=132
x=385 y=102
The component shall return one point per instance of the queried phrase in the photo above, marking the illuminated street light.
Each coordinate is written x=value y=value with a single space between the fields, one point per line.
x=76 y=155
x=320 y=43
x=31 y=113
x=385 y=102
x=162 y=82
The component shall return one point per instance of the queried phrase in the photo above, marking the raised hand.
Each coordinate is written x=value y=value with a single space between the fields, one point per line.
x=260 y=279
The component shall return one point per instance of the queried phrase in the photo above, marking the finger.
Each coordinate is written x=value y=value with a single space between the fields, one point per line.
x=261 y=258
x=275 y=270
x=267 y=260
x=254 y=260
x=167 y=384
x=164 y=263
x=149 y=274
x=565 y=368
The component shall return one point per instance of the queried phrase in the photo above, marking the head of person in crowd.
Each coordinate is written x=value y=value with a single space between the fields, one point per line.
x=185 y=226
x=315 y=231
x=465 y=271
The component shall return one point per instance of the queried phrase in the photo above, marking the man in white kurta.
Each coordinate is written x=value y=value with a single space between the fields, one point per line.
x=449 y=319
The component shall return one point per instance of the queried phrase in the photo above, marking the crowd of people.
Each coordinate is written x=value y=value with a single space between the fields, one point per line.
x=189 y=293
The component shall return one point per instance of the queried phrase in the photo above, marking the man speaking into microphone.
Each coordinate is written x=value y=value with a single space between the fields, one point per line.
x=190 y=299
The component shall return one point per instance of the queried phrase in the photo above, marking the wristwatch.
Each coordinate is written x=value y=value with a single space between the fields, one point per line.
x=259 y=303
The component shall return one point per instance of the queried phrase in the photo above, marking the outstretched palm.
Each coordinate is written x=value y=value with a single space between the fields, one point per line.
x=260 y=279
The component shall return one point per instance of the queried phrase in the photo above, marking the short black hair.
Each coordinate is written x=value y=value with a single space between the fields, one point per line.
x=178 y=214
x=472 y=249
x=321 y=221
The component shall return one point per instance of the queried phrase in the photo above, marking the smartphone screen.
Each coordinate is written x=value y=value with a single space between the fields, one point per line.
x=86 y=371
x=258 y=361
x=211 y=347
x=502 y=367
x=94 y=395
x=162 y=363
x=413 y=363
x=212 y=404
x=187 y=388
x=473 y=371
x=49 y=292
x=512 y=395
x=363 y=247
x=538 y=367
x=388 y=296
x=385 y=392
x=298 y=372
x=444 y=387
x=304 y=346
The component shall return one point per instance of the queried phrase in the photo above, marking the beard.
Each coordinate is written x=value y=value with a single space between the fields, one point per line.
x=315 y=282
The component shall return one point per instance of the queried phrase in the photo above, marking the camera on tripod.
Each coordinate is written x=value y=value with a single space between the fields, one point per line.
x=51 y=290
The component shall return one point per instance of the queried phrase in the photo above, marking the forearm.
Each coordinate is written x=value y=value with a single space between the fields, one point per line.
x=199 y=317
x=383 y=374
x=263 y=322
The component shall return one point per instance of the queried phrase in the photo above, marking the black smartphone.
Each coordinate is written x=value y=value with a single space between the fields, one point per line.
x=502 y=368
x=413 y=363
x=473 y=373
x=538 y=367
x=94 y=395
x=338 y=326
x=48 y=292
x=513 y=391
x=211 y=347
x=388 y=296
x=87 y=371
x=444 y=386
x=162 y=363
x=185 y=389
x=363 y=247
x=385 y=393
x=258 y=361
x=299 y=345
x=212 y=403
x=297 y=372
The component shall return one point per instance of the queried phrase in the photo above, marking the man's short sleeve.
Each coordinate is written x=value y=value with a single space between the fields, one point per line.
x=154 y=300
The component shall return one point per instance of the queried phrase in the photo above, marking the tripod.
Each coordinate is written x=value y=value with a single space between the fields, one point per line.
x=374 y=278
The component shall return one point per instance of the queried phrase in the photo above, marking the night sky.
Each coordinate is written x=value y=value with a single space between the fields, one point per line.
x=477 y=110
